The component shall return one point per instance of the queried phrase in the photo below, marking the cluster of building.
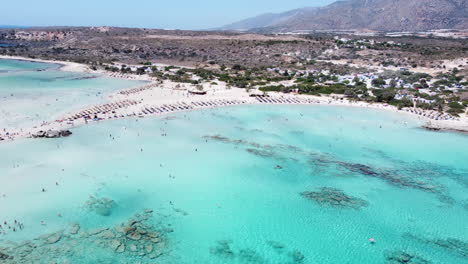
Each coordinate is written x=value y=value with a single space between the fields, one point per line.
x=363 y=43
x=324 y=77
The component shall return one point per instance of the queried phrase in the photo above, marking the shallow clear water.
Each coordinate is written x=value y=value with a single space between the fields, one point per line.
x=225 y=186
x=31 y=93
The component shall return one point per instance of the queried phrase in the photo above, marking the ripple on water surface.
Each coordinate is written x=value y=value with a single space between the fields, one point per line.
x=247 y=184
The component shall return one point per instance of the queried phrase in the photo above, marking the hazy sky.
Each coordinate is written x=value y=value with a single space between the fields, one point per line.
x=169 y=14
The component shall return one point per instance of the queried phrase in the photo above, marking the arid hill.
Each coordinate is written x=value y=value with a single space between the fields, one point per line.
x=380 y=15
x=97 y=45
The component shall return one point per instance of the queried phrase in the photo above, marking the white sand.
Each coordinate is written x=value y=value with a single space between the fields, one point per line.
x=65 y=65
x=172 y=95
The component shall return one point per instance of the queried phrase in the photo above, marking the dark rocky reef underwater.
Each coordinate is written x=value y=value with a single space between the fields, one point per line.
x=418 y=175
x=280 y=152
x=135 y=241
x=226 y=252
x=411 y=175
x=331 y=197
x=399 y=257
x=52 y=134
x=452 y=245
x=101 y=206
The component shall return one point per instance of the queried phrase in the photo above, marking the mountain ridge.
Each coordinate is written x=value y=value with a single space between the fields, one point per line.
x=379 y=15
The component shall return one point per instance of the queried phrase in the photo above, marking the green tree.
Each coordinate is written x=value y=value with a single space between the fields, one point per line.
x=384 y=95
x=378 y=82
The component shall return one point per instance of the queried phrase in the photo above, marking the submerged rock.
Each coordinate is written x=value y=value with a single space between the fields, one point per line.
x=261 y=152
x=249 y=256
x=226 y=251
x=101 y=206
x=73 y=229
x=133 y=247
x=137 y=244
x=414 y=175
x=134 y=236
x=54 y=238
x=264 y=151
x=107 y=234
x=125 y=229
x=222 y=249
x=453 y=245
x=149 y=248
x=328 y=196
x=120 y=248
x=4 y=256
x=397 y=257
x=115 y=244
x=96 y=231
x=276 y=245
x=297 y=256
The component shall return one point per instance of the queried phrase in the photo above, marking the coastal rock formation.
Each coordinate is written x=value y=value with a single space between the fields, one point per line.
x=52 y=134
x=137 y=240
x=332 y=197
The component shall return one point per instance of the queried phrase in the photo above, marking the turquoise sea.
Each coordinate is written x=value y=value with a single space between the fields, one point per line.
x=245 y=184
x=31 y=93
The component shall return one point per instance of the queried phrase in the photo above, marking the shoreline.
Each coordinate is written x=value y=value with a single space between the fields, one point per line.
x=195 y=105
x=167 y=97
x=66 y=66
x=62 y=125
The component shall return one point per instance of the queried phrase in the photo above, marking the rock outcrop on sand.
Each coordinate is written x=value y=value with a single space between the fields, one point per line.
x=52 y=134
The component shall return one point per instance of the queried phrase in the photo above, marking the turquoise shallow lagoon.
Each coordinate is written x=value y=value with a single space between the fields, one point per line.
x=31 y=93
x=246 y=184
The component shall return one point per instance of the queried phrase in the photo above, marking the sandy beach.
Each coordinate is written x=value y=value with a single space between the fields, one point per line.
x=159 y=98
x=65 y=65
